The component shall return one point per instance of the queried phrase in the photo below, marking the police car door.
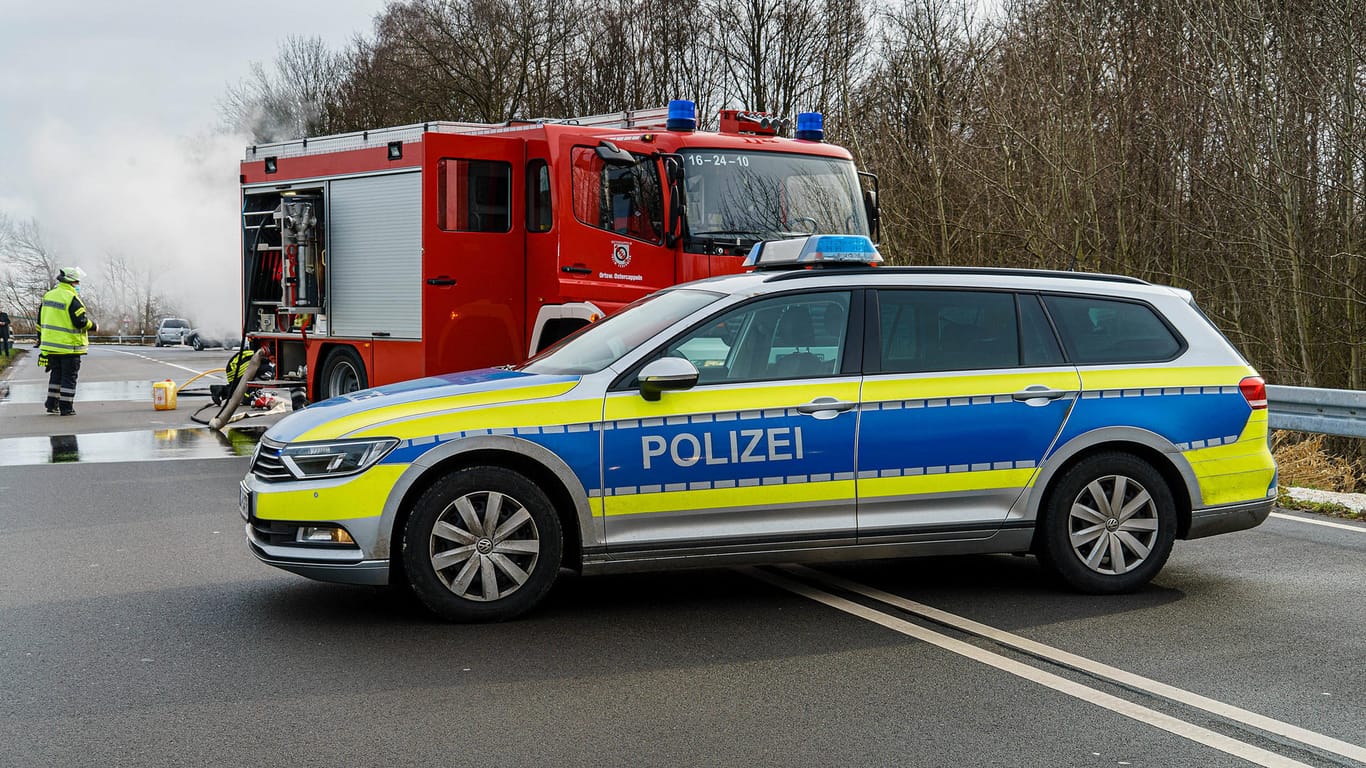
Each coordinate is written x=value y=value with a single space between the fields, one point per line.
x=965 y=393
x=759 y=454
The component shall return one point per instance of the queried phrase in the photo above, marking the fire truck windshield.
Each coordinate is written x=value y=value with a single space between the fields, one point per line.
x=744 y=197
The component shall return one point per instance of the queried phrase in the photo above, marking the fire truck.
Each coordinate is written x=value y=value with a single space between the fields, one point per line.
x=386 y=255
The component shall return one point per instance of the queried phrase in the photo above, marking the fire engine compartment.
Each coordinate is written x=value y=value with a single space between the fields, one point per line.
x=284 y=271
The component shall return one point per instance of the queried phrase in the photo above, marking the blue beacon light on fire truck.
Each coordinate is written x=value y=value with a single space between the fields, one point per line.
x=682 y=115
x=810 y=126
x=813 y=251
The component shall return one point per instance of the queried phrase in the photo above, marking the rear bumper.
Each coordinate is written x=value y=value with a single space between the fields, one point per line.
x=1228 y=518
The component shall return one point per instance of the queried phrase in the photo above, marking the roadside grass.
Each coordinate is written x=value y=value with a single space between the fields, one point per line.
x=5 y=359
x=1327 y=508
x=1305 y=462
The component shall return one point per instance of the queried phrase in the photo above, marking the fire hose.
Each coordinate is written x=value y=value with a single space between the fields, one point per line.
x=235 y=399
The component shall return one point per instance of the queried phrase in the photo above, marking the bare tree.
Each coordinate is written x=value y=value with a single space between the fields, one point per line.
x=28 y=269
x=298 y=97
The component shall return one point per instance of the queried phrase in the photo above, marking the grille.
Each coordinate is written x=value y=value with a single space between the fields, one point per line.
x=278 y=534
x=267 y=466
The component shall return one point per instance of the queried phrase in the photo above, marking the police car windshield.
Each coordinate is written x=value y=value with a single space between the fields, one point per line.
x=601 y=344
x=767 y=196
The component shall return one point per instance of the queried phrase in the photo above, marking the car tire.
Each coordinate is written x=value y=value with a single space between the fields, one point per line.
x=343 y=371
x=157 y=343
x=1097 y=547
x=197 y=344
x=482 y=544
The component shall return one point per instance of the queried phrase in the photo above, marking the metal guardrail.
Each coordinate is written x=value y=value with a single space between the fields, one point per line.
x=27 y=340
x=1339 y=412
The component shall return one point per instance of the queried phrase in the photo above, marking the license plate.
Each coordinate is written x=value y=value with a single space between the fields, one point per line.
x=244 y=502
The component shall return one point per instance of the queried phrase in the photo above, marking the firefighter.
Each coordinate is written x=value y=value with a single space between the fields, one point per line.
x=237 y=366
x=63 y=339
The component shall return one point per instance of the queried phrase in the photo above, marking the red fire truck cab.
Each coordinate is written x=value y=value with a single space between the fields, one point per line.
x=387 y=255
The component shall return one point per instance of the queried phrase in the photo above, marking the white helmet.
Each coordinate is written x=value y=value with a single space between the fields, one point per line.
x=71 y=274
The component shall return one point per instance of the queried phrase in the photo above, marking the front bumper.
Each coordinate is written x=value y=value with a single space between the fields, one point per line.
x=340 y=566
x=272 y=541
x=1228 y=518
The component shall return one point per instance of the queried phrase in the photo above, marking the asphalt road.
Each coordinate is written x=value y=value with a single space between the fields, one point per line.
x=135 y=629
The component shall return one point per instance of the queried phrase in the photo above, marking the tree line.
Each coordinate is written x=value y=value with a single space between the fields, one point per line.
x=1213 y=145
x=122 y=301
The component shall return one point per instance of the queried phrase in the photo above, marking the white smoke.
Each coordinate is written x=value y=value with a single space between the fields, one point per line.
x=169 y=205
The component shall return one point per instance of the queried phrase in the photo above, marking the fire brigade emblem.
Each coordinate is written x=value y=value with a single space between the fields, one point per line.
x=621 y=253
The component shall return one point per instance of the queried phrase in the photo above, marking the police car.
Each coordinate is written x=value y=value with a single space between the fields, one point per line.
x=819 y=407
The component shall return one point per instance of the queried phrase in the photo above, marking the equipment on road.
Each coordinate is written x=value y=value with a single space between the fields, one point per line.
x=384 y=255
x=163 y=395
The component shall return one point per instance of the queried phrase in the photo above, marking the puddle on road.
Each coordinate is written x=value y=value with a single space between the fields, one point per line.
x=88 y=391
x=144 y=445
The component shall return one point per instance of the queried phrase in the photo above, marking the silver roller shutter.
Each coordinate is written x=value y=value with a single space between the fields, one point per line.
x=374 y=256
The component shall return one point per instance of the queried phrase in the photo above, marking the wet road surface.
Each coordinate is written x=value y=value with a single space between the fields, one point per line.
x=115 y=418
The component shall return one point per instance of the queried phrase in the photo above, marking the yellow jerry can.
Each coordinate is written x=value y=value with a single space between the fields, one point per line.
x=163 y=395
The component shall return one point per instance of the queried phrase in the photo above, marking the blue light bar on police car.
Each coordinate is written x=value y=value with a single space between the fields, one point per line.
x=814 y=250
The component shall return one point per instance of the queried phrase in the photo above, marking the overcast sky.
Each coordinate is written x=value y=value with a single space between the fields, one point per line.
x=110 y=135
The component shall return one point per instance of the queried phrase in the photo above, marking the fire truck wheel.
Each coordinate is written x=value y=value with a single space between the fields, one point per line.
x=482 y=544
x=343 y=372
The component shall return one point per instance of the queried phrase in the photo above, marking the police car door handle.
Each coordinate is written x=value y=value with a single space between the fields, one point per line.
x=1038 y=394
x=825 y=407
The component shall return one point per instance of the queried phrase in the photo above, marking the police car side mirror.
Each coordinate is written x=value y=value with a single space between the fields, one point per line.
x=666 y=373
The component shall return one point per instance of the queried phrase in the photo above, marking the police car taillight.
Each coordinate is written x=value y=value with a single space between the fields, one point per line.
x=1254 y=392
x=814 y=251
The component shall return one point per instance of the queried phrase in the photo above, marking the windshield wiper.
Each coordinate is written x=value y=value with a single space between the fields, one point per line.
x=748 y=233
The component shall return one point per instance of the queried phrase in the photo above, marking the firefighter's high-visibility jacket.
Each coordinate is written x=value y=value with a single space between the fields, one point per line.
x=238 y=366
x=64 y=323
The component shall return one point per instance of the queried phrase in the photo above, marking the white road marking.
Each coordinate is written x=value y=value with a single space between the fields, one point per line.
x=1228 y=711
x=1343 y=526
x=153 y=359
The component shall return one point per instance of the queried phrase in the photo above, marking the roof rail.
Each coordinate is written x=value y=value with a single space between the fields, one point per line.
x=637 y=118
x=992 y=271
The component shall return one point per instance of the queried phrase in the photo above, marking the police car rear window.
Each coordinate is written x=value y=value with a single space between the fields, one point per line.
x=928 y=330
x=1096 y=330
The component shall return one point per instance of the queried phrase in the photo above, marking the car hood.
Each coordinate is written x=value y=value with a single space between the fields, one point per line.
x=417 y=407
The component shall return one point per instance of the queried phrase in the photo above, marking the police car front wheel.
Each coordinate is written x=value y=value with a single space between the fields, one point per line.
x=1109 y=524
x=482 y=544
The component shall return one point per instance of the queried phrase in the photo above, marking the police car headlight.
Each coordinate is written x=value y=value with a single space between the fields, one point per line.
x=308 y=461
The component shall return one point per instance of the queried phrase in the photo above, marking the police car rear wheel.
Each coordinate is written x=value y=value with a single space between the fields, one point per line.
x=1109 y=525
x=482 y=544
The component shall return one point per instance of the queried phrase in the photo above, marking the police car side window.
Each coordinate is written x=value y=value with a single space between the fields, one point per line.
x=784 y=337
x=1096 y=330
x=926 y=330
x=1038 y=343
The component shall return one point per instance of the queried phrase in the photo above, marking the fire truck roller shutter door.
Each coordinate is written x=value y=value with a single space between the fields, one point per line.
x=375 y=256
